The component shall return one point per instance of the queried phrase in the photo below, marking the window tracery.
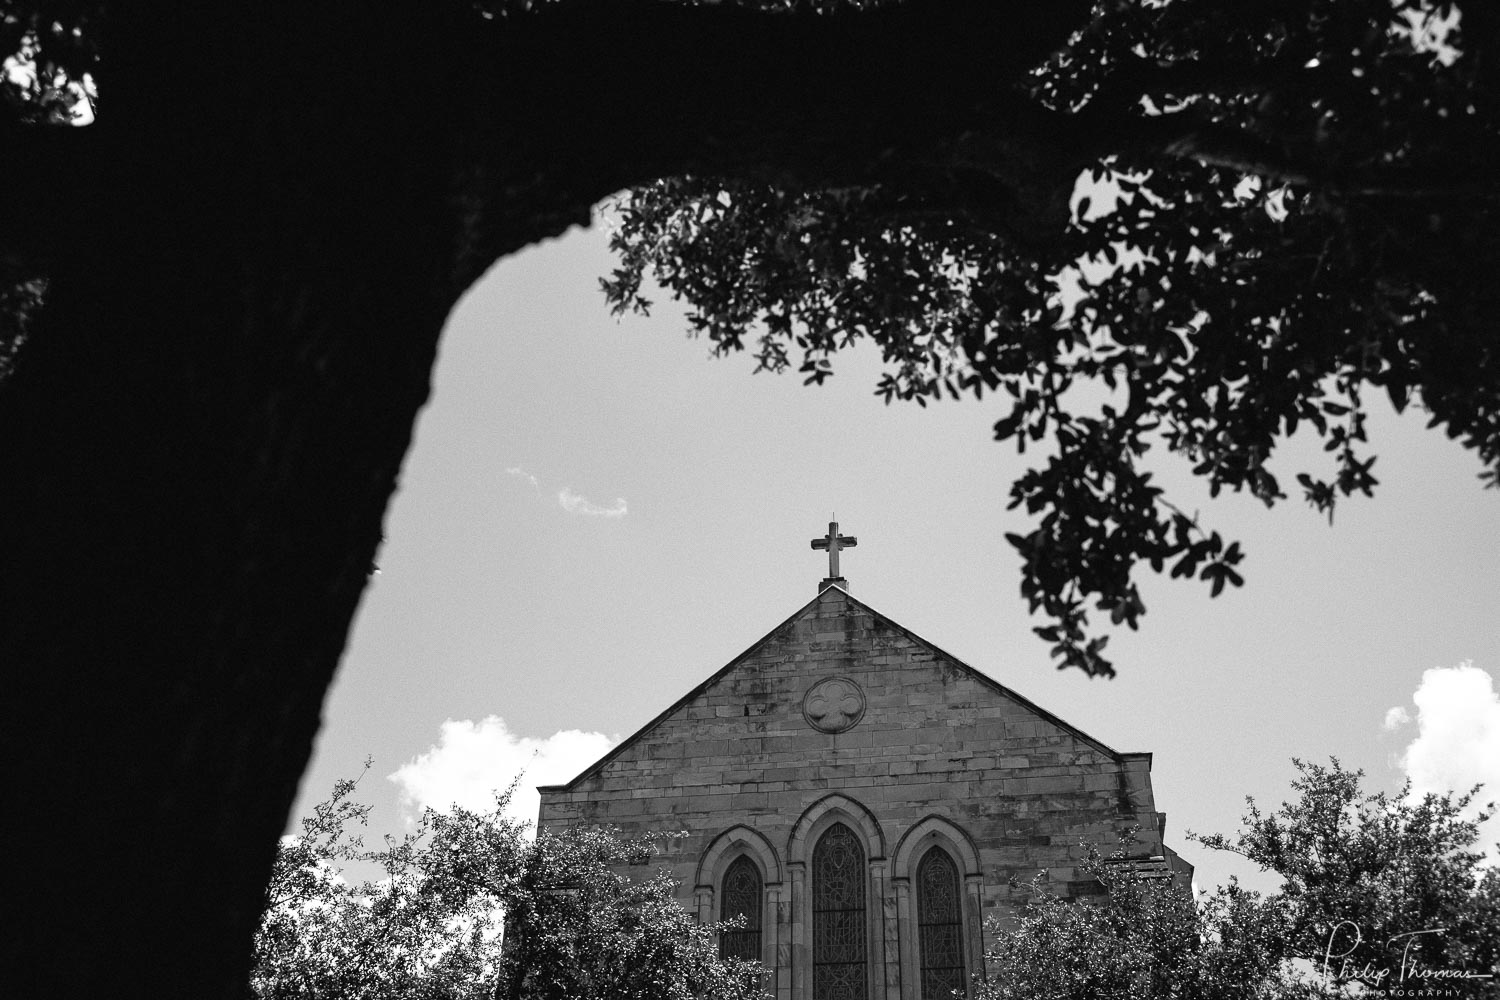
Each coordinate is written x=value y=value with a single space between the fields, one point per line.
x=838 y=917
x=939 y=925
x=741 y=896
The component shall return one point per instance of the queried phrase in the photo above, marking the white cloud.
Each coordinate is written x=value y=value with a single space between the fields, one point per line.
x=1458 y=738
x=575 y=504
x=516 y=470
x=472 y=760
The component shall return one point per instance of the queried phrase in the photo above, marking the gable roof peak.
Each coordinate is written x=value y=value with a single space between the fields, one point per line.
x=837 y=596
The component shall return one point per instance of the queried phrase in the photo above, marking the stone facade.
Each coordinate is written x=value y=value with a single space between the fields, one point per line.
x=841 y=717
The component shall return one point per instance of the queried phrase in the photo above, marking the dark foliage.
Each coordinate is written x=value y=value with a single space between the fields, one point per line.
x=1284 y=209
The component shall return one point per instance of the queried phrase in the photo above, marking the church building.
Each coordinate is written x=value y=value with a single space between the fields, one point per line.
x=863 y=800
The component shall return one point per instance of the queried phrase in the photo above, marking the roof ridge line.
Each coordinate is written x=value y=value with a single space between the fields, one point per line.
x=698 y=689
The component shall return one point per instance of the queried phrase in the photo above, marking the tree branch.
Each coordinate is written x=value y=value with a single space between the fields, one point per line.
x=796 y=99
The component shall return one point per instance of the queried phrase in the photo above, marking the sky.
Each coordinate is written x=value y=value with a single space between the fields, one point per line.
x=597 y=515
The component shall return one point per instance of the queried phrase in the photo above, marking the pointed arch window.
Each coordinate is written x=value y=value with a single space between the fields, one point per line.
x=741 y=896
x=839 y=926
x=940 y=930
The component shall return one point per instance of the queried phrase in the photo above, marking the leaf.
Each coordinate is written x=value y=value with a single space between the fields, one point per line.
x=1398 y=393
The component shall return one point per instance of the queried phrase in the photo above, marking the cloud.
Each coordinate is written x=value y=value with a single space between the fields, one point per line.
x=575 y=504
x=472 y=760
x=516 y=470
x=1458 y=739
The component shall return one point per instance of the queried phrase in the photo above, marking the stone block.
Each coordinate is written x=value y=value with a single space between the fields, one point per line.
x=1052 y=784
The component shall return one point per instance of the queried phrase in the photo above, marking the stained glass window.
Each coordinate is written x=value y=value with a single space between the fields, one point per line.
x=741 y=896
x=838 y=918
x=940 y=928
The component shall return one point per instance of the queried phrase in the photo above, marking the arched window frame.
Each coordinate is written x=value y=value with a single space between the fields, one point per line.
x=753 y=931
x=805 y=834
x=722 y=852
x=932 y=961
x=847 y=949
x=936 y=831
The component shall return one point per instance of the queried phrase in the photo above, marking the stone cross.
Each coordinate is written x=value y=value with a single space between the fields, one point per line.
x=833 y=542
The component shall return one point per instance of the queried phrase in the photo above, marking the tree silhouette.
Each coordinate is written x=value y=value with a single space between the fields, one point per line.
x=248 y=256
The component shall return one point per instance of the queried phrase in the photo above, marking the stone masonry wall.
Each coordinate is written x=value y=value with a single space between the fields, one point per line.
x=935 y=739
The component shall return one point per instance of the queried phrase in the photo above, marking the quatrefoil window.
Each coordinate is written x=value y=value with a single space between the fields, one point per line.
x=833 y=705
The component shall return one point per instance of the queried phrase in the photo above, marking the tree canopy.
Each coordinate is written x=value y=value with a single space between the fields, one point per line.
x=1385 y=893
x=468 y=905
x=1138 y=938
x=1380 y=893
x=1375 y=882
x=1259 y=217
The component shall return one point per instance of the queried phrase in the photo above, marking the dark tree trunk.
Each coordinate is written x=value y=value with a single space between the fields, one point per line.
x=249 y=275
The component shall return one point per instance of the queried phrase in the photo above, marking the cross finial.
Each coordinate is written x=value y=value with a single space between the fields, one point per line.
x=833 y=542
